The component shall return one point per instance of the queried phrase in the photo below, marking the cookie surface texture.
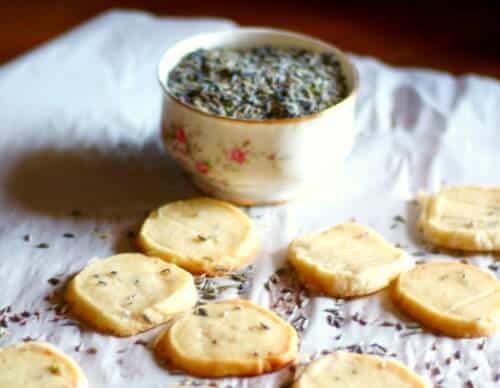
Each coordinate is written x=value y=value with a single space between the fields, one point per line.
x=351 y=370
x=129 y=293
x=465 y=218
x=347 y=260
x=201 y=235
x=229 y=338
x=38 y=365
x=456 y=299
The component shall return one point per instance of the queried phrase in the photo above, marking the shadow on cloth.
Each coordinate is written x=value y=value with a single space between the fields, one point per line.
x=95 y=183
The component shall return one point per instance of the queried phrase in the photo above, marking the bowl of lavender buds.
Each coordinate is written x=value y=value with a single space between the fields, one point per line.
x=257 y=116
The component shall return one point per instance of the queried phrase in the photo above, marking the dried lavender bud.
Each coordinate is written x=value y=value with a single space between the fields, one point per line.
x=53 y=281
x=141 y=342
x=435 y=371
x=258 y=83
x=201 y=312
x=398 y=218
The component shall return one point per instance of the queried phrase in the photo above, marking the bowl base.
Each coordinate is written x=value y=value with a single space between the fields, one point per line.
x=243 y=199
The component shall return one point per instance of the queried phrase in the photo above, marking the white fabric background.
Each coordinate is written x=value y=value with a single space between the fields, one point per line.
x=79 y=130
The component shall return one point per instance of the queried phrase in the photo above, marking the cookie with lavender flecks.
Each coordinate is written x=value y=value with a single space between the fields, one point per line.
x=465 y=218
x=129 y=293
x=229 y=338
x=347 y=260
x=456 y=299
x=201 y=235
x=348 y=370
x=38 y=365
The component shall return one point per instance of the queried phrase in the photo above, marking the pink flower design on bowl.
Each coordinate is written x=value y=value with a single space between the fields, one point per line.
x=180 y=135
x=202 y=167
x=238 y=155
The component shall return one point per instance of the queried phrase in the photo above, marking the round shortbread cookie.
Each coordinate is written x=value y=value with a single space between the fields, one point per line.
x=350 y=370
x=346 y=260
x=38 y=365
x=130 y=293
x=228 y=338
x=202 y=235
x=456 y=299
x=465 y=218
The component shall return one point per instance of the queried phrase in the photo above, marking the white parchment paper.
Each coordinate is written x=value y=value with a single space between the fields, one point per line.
x=80 y=155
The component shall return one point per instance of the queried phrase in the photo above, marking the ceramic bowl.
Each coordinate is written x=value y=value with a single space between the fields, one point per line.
x=256 y=161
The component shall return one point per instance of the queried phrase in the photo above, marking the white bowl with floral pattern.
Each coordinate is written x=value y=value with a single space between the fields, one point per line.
x=257 y=161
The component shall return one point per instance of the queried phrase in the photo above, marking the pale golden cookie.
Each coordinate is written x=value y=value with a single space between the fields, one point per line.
x=346 y=260
x=130 y=293
x=202 y=235
x=459 y=300
x=351 y=370
x=38 y=365
x=465 y=218
x=229 y=338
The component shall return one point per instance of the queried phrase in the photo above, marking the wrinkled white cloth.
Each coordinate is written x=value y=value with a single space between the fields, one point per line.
x=79 y=132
